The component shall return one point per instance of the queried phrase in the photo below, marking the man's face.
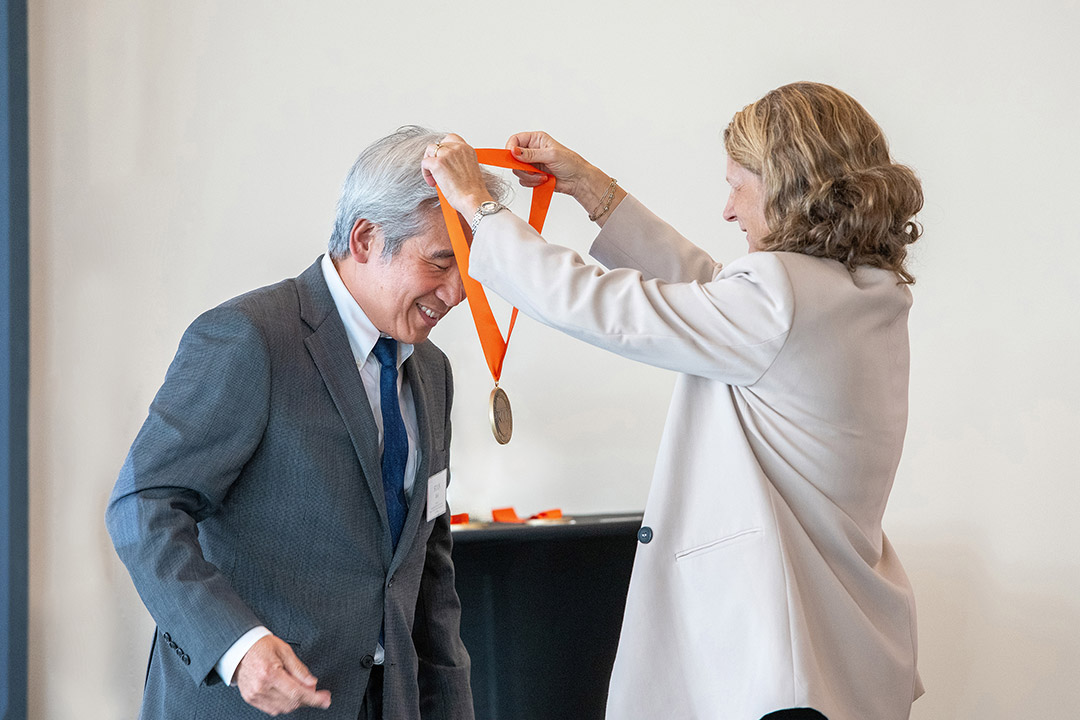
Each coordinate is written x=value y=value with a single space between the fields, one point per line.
x=411 y=291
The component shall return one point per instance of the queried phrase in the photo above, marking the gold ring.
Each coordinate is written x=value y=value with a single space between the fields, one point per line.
x=437 y=146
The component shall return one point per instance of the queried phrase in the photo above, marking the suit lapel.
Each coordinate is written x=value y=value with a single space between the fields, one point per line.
x=329 y=349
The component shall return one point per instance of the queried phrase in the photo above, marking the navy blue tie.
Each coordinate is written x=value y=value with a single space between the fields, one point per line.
x=395 y=441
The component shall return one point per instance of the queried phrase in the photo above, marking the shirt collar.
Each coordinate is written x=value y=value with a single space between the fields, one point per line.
x=361 y=332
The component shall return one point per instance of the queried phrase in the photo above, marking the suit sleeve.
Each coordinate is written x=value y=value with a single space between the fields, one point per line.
x=444 y=668
x=729 y=328
x=202 y=427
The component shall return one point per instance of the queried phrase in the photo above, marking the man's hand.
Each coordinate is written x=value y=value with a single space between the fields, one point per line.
x=272 y=679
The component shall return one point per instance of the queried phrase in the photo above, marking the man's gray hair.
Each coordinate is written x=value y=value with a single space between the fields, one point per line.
x=387 y=188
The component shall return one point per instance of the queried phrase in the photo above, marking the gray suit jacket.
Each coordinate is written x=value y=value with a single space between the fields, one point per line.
x=253 y=495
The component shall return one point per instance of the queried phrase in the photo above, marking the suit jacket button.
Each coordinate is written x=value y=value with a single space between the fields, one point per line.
x=166 y=637
x=367 y=661
x=644 y=534
x=186 y=659
x=390 y=583
x=172 y=645
x=179 y=652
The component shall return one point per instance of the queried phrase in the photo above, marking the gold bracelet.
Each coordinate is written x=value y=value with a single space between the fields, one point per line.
x=606 y=202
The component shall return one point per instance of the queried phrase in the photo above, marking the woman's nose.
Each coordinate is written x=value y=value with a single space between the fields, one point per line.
x=729 y=211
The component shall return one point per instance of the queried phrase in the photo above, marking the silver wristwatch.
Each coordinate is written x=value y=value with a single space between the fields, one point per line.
x=488 y=207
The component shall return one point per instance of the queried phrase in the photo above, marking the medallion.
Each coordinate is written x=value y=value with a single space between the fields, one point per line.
x=502 y=420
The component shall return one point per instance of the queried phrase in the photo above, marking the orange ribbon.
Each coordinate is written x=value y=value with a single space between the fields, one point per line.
x=491 y=339
x=509 y=515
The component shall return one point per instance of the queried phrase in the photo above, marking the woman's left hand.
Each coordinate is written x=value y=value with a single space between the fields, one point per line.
x=451 y=164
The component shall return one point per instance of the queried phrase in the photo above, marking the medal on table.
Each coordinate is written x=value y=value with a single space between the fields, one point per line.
x=491 y=339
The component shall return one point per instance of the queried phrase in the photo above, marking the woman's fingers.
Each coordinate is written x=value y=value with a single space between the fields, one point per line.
x=531 y=180
x=538 y=156
x=541 y=151
x=533 y=139
x=537 y=148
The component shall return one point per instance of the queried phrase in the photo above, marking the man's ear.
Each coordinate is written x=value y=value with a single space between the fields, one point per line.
x=365 y=241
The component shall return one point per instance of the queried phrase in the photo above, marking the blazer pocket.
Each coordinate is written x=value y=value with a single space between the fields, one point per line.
x=717 y=544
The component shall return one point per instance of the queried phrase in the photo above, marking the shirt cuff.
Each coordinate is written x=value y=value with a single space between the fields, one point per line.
x=228 y=663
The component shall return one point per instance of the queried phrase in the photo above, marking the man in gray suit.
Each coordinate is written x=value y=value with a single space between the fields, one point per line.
x=282 y=510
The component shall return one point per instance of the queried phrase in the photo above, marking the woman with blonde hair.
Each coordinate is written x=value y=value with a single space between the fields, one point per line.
x=763 y=585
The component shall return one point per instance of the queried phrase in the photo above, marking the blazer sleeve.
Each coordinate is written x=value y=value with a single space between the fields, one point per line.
x=729 y=328
x=443 y=663
x=202 y=427
x=633 y=237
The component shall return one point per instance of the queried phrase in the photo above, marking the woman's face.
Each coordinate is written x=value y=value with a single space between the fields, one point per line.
x=746 y=204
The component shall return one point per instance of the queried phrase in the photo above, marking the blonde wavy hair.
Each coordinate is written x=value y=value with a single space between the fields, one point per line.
x=831 y=189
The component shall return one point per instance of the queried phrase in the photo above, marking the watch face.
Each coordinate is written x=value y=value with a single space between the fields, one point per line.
x=489 y=206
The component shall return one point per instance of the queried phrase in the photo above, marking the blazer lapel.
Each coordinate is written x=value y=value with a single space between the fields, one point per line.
x=329 y=349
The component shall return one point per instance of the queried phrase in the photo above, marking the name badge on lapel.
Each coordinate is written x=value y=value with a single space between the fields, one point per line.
x=436 y=495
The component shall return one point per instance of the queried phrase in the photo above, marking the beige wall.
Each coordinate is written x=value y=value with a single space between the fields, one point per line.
x=184 y=152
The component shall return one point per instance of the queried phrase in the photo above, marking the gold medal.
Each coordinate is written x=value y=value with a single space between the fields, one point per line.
x=502 y=420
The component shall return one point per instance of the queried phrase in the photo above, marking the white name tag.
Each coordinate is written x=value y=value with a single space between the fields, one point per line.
x=436 y=495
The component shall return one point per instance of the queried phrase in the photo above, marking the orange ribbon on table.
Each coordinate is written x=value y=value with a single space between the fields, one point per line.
x=509 y=515
x=491 y=339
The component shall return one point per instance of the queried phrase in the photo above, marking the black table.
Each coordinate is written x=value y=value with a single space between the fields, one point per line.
x=542 y=607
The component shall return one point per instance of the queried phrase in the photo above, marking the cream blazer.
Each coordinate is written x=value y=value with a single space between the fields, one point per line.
x=763 y=579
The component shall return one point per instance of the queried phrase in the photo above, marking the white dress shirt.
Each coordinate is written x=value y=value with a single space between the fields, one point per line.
x=362 y=336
